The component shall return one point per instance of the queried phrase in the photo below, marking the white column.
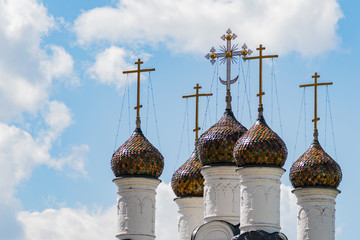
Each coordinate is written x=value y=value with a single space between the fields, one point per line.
x=136 y=207
x=260 y=198
x=191 y=215
x=221 y=194
x=316 y=213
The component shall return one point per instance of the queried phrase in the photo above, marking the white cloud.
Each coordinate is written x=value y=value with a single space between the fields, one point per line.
x=110 y=64
x=57 y=117
x=166 y=220
x=20 y=153
x=18 y=95
x=93 y=224
x=74 y=162
x=27 y=72
x=339 y=230
x=83 y=223
x=27 y=69
x=24 y=21
x=69 y=224
x=60 y=65
x=302 y=26
x=288 y=212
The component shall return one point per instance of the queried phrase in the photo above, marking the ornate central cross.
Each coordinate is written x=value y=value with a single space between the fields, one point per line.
x=260 y=57
x=226 y=55
x=315 y=85
x=197 y=95
x=138 y=71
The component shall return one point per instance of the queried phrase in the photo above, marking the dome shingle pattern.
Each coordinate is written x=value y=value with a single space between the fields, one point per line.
x=187 y=180
x=137 y=157
x=315 y=168
x=260 y=146
x=216 y=145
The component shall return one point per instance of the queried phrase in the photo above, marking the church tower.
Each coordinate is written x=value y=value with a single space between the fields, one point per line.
x=188 y=185
x=260 y=154
x=215 y=149
x=315 y=177
x=137 y=165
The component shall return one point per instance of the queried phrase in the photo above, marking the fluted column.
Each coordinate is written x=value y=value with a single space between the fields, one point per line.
x=136 y=207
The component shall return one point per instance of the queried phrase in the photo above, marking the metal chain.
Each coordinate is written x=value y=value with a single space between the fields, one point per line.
x=298 y=127
x=128 y=94
x=188 y=125
x=332 y=123
x=277 y=99
x=181 y=138
x=122 y=107
x=148 y=106
x=156 y=122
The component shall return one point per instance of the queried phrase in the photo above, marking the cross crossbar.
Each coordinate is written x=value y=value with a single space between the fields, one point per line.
x=260 y=57
x=197 y=95
x=315 y=85
x=138 y=71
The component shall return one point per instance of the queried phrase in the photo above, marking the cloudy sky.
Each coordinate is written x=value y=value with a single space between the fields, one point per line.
x=65 y=105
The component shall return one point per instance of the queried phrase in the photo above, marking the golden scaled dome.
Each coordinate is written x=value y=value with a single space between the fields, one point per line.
x=137 y=157
x=260 y=146
x=315 y=168
x=187 y=181
x=216 y=145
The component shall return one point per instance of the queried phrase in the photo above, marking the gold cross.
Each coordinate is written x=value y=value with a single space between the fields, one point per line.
x=227 y=55
x=197 y=95
x=138 y=71
x=260 y=57
x=315 y=85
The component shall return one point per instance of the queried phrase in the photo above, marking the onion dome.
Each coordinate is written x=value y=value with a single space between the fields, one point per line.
x=137 y=157
x=315 y=168
x=216 y=145
x=187 y=180
x=260 y=146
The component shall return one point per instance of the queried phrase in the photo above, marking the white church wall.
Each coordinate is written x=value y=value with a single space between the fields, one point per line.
x=221 y=194
x=191 y=215
x=136 y=207
x=260 y=198
x=316 y=213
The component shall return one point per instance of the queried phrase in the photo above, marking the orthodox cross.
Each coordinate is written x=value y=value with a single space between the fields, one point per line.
x=197 y=95
x=260 y=57
x=226 y=55
x=315 y=85
x=138 y=71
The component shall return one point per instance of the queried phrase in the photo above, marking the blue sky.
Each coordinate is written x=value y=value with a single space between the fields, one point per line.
x=62 y=91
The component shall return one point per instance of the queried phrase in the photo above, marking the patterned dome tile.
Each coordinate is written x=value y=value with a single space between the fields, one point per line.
x=216 y=145
x=187 y=180
x=137 y=156
x=315 y=168
x=260 y=146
